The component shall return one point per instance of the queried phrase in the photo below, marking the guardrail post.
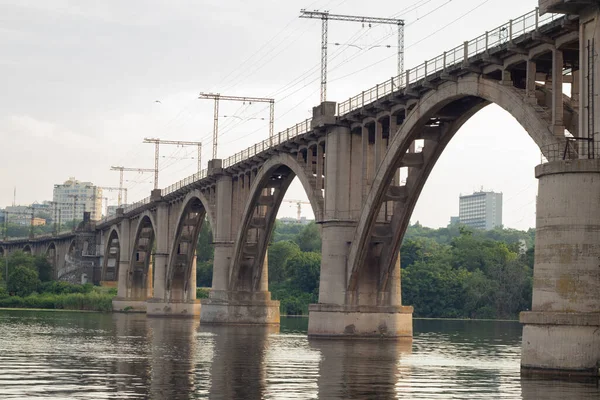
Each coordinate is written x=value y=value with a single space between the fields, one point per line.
x=425 y=76
x=363 y=98
x=466 y=51
x=377 y=91
x=407 y=77
x=444 y=60
x=537 y=18
x=487 y=40
x=510 y=31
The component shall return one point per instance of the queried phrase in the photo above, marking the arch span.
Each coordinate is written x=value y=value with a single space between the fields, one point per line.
x=266 y=194
x=27 y=249
x=181 y=274
x=51 y=254
x=435 y=120
x=139 y=276
x=112 y=254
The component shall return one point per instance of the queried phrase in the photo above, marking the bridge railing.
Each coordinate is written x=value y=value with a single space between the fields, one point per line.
x=502 y=34
x=137 y=204
x=266 y=144
x=184 y=182
x=572 y=149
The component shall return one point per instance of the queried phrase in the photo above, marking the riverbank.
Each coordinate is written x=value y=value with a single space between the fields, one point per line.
x=92 y=301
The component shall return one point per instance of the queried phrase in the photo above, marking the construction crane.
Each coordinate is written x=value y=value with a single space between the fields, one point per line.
x=325 y=16
x=217 y=97
x=299 y=204
x=157 y=142
x=140 y=170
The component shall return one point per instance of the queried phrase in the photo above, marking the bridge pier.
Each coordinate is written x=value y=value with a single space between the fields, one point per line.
x=225 y=306
x=341 y=312
x=561 y=334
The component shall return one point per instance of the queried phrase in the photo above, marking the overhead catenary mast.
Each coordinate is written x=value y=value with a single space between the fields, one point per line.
x=325 y=16
x=140 y=170
x=157 y=142
x=217 y=97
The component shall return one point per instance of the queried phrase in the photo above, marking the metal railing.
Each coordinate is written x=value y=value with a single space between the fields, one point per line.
x=504 y=33
x=572 y=149
x=184 y=182
x=266 y=144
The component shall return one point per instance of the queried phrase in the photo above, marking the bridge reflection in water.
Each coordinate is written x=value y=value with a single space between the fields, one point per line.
x=123 y=356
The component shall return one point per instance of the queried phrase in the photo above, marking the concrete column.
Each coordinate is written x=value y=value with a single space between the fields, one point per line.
x=365 y=162
x=161 y=254
x=557 y=93
x=191 y=294
x=575 y=89
x=395 y=296
x=124 y=259
x=379 y=145
x=223 y=235
x=355 y=193
x=264 y=277
x=149 y=285
x=530 y=83
x=320 y=162
x=310 y=158
x=562 y=332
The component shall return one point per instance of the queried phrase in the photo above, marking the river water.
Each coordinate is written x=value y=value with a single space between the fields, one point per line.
x=63 y=355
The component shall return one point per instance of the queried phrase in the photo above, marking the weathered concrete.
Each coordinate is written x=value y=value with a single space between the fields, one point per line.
x=243 y=308
x=562 y=333
x=120 y=304
x=173 y=309
x=327 y=320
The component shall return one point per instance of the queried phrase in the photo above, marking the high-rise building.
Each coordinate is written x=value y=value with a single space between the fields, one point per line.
x=481 y=210
x=73 y=198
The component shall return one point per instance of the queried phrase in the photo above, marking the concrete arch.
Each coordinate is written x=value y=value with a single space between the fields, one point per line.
x=111 y=272
x=51 y=254
x=252 y=275
x=27 y=249
x=139 y=274
x=3 y=252
x=477 y=93
x=202 y=198
x=181 y=271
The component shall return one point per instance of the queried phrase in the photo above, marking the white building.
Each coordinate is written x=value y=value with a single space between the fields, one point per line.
x=481 y=210
x=73 y=198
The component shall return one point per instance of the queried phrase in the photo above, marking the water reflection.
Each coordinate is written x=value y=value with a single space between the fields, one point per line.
x=172 y=352
x=83 y=356
x=556 y=389
x=238 y=368
x=359 y=369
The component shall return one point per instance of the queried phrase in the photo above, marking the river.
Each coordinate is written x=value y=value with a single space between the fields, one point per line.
x=62 y=355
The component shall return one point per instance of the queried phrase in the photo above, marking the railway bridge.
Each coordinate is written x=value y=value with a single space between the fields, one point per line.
x=363 y=163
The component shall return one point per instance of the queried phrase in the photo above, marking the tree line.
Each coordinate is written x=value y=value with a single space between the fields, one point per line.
x=452 y=272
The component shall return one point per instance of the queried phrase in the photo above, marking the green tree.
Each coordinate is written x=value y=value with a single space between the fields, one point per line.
x=309 y=238
x=23 y=281
x=279 y=254
x=204 y=273
x=43 y=268
x=304 y=270
x=205 y=249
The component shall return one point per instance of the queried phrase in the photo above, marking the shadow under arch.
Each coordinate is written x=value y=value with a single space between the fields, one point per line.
x=181 y=272
x=139 y=276
x=435 y=119
x=247 y=271
x=27 y=249
x=112 y=254
x=51 y=255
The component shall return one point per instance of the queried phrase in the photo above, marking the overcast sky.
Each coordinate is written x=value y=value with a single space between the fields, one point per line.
x=80 y=80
